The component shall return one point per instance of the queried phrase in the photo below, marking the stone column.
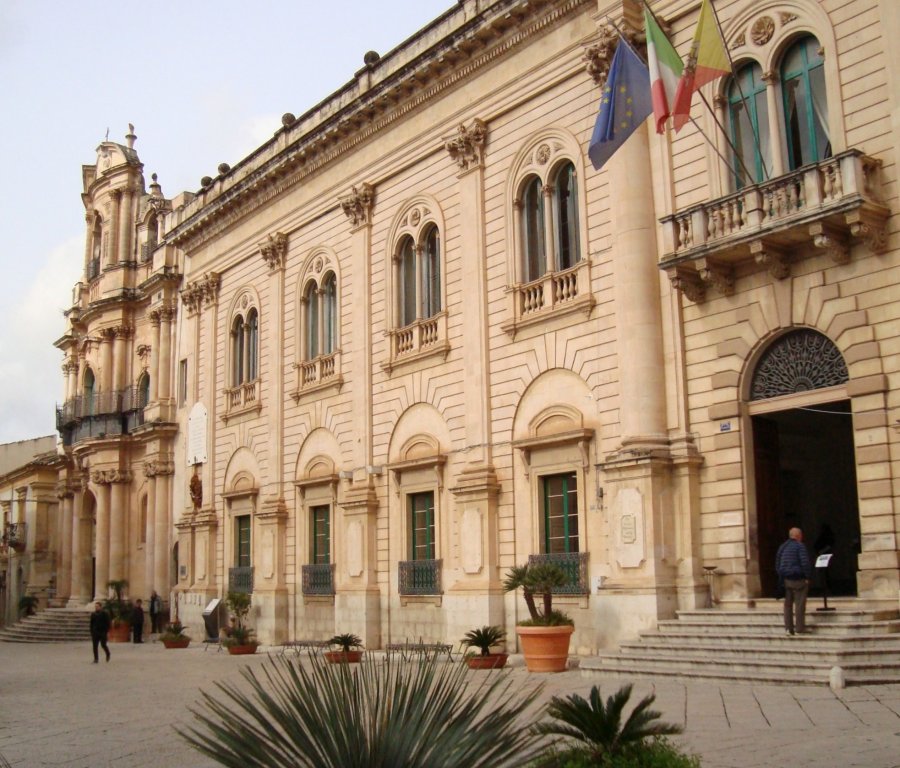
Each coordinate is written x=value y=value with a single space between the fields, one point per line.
x=162 y=519
x=125 y=228
x=107 y=381
x=80 y=590
x=64 y=546
x=118 y=525
x=150 y=543
x=165 y=353
x=775 y=127
x=154 y=357
x=120 y=356
x=88 y=240
x=101 y=545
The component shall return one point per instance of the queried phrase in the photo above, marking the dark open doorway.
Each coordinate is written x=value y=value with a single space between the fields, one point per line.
x=806 y=477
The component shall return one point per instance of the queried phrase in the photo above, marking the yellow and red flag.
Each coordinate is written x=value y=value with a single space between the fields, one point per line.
x=707 y=60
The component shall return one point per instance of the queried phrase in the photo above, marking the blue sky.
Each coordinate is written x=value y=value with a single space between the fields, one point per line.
x=204 y=82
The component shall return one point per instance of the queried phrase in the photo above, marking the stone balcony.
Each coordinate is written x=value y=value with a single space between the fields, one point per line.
x=823 y=207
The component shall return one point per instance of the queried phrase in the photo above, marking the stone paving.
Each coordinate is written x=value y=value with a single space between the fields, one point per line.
x=59 y=709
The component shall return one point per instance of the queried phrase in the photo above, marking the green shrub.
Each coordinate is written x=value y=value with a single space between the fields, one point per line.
x=656 y=753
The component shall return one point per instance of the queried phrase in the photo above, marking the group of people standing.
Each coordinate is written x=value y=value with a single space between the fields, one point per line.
x=101 y=622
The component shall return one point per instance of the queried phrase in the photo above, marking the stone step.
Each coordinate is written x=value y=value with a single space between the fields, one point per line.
x=53 y=625
x=776 y=626
x=799 y=647
x=774 y=612
x=675 y=637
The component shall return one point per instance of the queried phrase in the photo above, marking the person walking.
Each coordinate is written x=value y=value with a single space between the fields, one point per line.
x=137 y=621
x=154 y=611
x=793 y=568
x=99 y=630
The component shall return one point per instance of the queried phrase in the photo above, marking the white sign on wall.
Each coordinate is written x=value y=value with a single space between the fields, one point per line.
x=196 y=437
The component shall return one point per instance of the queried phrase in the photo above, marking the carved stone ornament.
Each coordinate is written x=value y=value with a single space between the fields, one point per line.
x=109 y=476
x=143 y=352
x=466 y=148
x=773 y=259
x=201 y=292
x=739 y=41
x=787 y=18
x=762 y=30
x=799 y=361
x=834 y=245
x=689 y=283
x=358 y=204
x=274 y=250
x=154 y=468
x=598 y=55
x=720 y=276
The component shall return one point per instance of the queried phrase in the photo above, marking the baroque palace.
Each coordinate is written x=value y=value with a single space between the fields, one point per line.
x=415 y=338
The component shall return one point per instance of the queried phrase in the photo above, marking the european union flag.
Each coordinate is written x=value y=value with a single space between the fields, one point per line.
x=625 y=104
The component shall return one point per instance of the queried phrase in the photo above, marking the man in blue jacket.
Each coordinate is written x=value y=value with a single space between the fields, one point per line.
x=793 y=568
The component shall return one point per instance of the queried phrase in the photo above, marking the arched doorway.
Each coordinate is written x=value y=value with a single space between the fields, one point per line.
x=803 y=456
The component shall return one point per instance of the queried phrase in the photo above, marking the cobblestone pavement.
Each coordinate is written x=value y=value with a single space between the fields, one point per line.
x=59 y=709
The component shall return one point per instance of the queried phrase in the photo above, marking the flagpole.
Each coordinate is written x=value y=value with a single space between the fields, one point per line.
x=712 y=111
x=754 y=129
x=696 y=124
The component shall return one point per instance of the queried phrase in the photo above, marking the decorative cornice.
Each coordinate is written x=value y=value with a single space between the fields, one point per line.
x=155 y=468
x=466 y=148
x=202 y=292
x=274 y=250
x=376 y=109
x=358 y=205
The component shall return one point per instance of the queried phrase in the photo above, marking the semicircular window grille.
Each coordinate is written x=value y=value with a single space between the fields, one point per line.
x=798 y=362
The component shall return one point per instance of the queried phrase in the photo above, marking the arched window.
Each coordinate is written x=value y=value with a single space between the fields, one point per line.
x=93 y=268
x=237 y=351
x=88 y=392
x=252 y=350
x=431 y=273
x=407 y=281
x=312 y=321
x=748 y=121
x=143 y=390
x=565 y=217
x=805 y=105
x=329 y=314
x=535 y=259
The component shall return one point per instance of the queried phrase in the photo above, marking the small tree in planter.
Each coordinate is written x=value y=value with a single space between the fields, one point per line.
x=546 y=633
x=174 y=636
x=484 y=639
x=119 y=610
x=240 y=639
x=351 y=649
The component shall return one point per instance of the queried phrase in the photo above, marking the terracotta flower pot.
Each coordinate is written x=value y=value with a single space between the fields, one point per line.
x=180 y=642
x=241 y=650
x=546 y=649
x=119 y=633
x=351 y=657
x=491 y=661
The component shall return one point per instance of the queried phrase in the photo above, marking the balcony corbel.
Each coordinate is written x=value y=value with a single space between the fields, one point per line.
x=718 y=275
x=772 y=258
x=686 y=279
x=828 y=239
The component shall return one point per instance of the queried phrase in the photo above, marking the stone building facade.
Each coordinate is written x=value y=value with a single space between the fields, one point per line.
x=415 y=338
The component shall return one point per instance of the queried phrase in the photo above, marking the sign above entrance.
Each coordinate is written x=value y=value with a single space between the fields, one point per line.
x=196 y=437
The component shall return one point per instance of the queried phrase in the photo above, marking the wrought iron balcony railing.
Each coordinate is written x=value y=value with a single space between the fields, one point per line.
x=822 y=206
x=420 y=577
x=574 y=564
x=318 y=579
x=240 y=579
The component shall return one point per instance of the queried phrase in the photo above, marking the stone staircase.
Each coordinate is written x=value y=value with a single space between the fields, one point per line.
x=53 y=625
x=751 y=645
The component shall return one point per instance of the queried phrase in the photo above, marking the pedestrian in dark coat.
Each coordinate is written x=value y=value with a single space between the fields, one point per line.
x=137 y=621
x=154 y=611
x=793 y=567
x=99 y=630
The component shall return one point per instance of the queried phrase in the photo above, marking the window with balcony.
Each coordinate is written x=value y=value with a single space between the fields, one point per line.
x=549 y=274
x=242 y=393
x=419 y=320
x=420 y=575
x=240 y=575
x=318 y=572
x=805 y=104
x=318 y=350
x=559 y=497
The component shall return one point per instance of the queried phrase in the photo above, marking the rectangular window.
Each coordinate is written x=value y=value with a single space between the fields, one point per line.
x=242 y=557
x=182 y=383
x=560 y=512
x=421 y=525
x=321 y=535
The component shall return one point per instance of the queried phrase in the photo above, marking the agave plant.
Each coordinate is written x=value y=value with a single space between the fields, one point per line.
x=418 y=715
x=598 y=729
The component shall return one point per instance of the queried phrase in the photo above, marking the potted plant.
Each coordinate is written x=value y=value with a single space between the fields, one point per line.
x=28 y=605
x=546 y=633
x=484 y=639
x=351 y=649
x=119 y=610
x=174 y=636
x=239 y=639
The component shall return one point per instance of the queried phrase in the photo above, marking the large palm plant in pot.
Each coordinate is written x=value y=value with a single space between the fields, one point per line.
x=545 y=634
x=351 y=649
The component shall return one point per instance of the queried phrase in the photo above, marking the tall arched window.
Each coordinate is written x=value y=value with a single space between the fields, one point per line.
x=312 y=321
x=407 y=281
x=237 y=351
x=535 y=259
x=143 y=390
x=252 y=350
x=748 y=120
x=431 y=273
x=565 y=217
x=805 y=105
x=329 y=314
x=88 y=392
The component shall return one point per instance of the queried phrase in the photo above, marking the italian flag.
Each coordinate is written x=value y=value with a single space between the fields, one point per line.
x=665 y=70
